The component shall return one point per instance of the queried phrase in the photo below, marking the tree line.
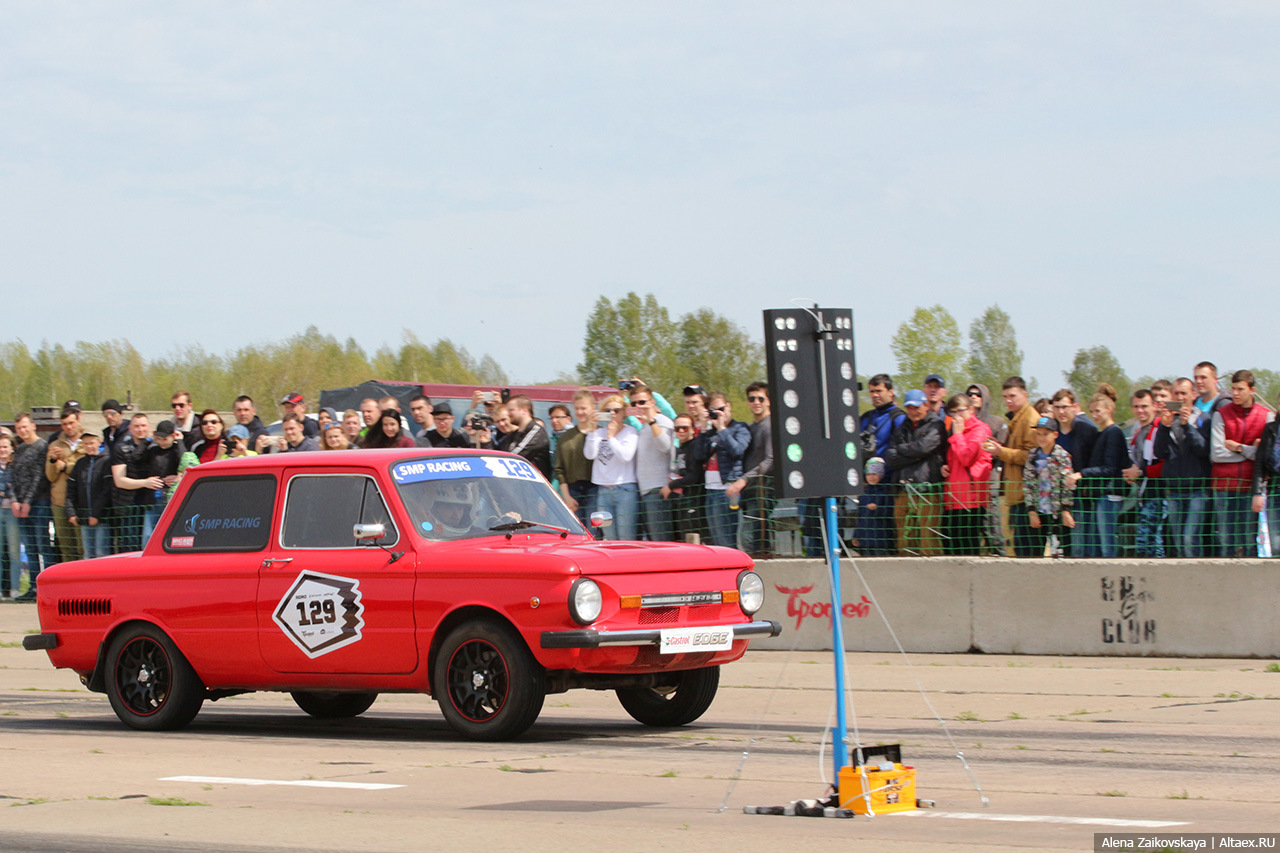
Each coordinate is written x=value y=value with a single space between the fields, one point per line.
x=307 y=362
x=633 y=335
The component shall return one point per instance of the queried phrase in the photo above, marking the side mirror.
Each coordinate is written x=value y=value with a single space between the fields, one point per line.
x=364 y=532
x=601 y=519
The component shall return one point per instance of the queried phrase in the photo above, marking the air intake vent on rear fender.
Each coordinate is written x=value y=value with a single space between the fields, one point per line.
x=84 y=607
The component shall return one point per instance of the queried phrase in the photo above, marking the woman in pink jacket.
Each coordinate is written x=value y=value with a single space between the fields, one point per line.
x=967 y=473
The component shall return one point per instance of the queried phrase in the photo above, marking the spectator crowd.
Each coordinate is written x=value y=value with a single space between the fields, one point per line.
x=1192 y=475
x=662 y=475
x=1195 y=474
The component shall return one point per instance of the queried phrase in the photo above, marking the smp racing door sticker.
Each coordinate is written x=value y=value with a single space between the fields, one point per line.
x=321 y=613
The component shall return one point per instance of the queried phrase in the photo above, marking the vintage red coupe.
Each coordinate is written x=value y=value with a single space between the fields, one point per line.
x=339 y=576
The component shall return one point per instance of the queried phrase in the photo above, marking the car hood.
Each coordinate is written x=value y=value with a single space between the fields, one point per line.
x=602 y=558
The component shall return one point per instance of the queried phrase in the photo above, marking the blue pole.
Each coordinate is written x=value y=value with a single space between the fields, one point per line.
x=840 y=749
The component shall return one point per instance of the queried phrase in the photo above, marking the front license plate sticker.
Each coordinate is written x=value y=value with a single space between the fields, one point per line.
x=684 y=640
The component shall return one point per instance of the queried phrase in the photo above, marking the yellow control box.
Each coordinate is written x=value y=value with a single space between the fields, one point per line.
x=889 y=790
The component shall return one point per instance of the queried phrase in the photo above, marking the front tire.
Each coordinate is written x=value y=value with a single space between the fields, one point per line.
x=151 y=686
x=326 y=705
x=683 y=699
x=487 y=682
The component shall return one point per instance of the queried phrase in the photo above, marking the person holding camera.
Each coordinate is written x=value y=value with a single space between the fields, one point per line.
x=611 y=447
x=720 y=449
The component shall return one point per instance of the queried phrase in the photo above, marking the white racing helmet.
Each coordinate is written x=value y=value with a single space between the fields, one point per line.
x=447 y=493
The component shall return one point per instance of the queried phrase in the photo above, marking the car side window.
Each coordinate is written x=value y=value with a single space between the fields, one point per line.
x=321 y=510
x=224 y=514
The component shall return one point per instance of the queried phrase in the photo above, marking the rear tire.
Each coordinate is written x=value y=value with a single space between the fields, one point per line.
x=487 y=682
x=151 y=686
x=684 y=697
x=327 y=705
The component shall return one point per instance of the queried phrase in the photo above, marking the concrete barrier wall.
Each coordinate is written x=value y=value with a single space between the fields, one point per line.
x=1192 y=608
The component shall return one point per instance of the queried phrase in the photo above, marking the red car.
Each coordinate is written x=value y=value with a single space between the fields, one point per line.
x=338 y=576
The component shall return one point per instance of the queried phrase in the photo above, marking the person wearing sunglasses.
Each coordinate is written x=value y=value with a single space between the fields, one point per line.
x=755 y=486
x=184 y=418
x=720 y=449
x=612 y=449
x=653 y=463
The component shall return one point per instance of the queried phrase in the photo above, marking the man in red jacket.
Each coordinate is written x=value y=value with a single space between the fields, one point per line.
x=1233 y=444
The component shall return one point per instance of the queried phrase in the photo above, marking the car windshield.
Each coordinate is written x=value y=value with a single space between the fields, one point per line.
x=464 y=497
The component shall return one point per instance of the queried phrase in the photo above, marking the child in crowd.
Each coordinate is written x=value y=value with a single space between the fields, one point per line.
x=875 y=530
x=1045 y=486
x=89 y=489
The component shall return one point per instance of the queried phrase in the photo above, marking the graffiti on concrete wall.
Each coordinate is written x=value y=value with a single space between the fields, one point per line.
x=1129 y=625
x=802 y=606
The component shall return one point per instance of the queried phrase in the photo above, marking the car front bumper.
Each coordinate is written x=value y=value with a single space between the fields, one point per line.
x=588 y=638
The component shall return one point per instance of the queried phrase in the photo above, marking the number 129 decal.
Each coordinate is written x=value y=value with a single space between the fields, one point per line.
x=321 y=613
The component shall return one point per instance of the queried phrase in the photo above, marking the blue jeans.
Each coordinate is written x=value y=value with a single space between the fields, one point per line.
x=584 y=492
x=1237 y=523
x=10 y=553
x=757 y=516
x=96 y=540
x=655 y=516
x=812 y=542
x=623 y=502
x=35 y=536
x=1186 y=519
x=149 y=521
x=722 y=521
x=1106 y=518
x=1083 y=540
x=1149 y=541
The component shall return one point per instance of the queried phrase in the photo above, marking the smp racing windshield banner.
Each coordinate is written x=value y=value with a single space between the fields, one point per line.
x=458 y=467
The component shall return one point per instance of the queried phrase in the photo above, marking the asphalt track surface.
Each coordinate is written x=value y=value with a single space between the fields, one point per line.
x=1062 y=747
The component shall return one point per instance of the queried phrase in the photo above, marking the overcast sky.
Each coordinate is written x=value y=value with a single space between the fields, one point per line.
x=230 y=173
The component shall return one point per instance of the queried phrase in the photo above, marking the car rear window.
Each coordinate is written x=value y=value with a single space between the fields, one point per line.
x=321 y=511
x=224 y=514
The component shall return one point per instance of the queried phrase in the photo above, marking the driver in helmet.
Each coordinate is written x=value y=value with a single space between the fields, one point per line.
x=452 y=509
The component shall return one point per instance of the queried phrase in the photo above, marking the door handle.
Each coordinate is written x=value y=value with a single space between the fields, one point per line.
x=271 y=561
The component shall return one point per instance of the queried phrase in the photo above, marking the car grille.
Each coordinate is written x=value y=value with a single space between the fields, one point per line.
x=660 y=616
x=84 y=607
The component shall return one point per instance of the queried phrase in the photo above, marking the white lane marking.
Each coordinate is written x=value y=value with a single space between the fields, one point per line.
x=1042 y=818
x=300 y=783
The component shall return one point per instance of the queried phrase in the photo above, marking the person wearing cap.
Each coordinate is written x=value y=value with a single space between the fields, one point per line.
x=1046 y=487
x=875 y=512
x=117 y=429
x=89 y=489
x=443 y=433
x=238 y=441
x=916 y=454
x=1013 y=454
x=64 y=452
x=935 y=393
x=162 y=459
x=293 y=403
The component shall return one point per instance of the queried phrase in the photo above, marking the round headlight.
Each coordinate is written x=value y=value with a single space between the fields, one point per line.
x=585 y=601
x=750 y=592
